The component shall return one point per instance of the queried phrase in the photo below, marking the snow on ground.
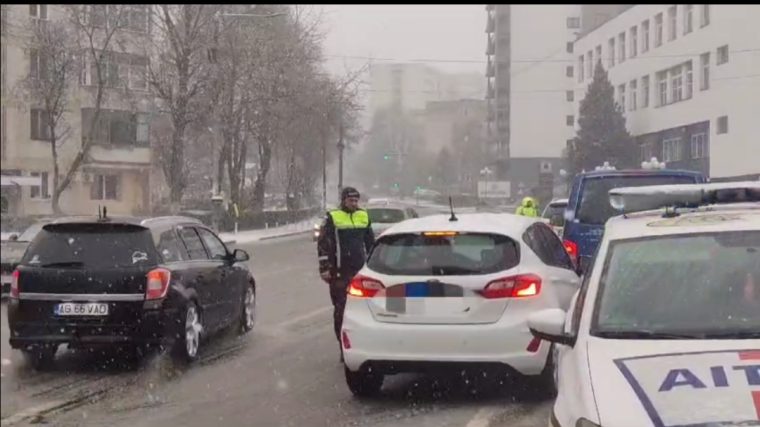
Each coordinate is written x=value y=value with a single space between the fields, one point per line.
x=249 y=236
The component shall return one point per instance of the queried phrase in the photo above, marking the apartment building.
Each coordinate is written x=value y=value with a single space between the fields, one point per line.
x=116 y=173
x=530 y=76
x=687 y=79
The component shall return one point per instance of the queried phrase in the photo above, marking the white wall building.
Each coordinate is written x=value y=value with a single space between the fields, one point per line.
x=541 y=73
x=689 y=79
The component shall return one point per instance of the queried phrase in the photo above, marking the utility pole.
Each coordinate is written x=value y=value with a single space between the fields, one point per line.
x=341 y=146
x=324 y=173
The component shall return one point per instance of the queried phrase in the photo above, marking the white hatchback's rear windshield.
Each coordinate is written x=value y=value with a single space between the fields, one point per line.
x=447 y=255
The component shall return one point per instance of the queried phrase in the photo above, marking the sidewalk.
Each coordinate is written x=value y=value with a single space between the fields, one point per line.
x=249 y=236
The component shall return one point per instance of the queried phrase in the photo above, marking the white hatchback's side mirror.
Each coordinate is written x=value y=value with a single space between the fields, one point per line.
x=549 y=325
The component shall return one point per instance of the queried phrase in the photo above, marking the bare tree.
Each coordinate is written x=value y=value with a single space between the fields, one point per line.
x=54 y=71
x=181 y=75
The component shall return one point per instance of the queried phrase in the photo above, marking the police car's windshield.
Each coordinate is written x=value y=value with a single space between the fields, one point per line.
x=595 y=200
x=704 y=284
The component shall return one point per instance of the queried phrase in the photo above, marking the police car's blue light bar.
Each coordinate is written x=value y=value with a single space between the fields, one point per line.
x=633 y=199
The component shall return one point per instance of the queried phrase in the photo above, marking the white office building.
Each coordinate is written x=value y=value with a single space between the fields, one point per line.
x=688 y=78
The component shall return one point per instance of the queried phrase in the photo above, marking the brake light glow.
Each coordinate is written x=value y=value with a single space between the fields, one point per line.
x=439 y=233
x=364 y=287
x=14 y=284
x=533 y=345
x=520 y=286
x=158 y=283
x=571 y=248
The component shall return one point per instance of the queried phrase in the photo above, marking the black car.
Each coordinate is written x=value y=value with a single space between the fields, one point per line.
x=128 y=283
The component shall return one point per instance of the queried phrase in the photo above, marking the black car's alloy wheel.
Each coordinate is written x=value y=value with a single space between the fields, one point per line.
x=189 y=341
x=248 y=310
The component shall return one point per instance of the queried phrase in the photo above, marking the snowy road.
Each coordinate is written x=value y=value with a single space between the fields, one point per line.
x=286 y=373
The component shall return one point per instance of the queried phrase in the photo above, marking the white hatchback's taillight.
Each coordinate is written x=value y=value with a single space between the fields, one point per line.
x=364 y=287
x=520 y=286
x=14 y=284
x=158 y=283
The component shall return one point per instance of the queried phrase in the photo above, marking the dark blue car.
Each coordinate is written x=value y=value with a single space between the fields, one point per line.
x=588 y=207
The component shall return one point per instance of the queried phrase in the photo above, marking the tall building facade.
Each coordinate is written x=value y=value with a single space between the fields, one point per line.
x=117 y=169
x=686 y=77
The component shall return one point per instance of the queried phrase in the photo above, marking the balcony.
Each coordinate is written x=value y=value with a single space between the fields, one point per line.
x=490 y=69
x=120 y=156
x=490 y=23
x=491 y=46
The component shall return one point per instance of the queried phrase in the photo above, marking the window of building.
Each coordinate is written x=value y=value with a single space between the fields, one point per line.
x=118 y=71
x=633 y=90
x=700 y=148
x=676 y=85
x=105 y=187
x=573 y=22
x=645 y=36
x=662 y=88
x=569 y=47
x=39 y=125
x=570 y=120
x=40 y=191
x=117 y=127
x=569 y=69
x=645 y=92
x=570 y=95
x=688 y=18
x=580 y=69
x=590 y=64
x=128 y=17
x=688 y=80
x=137 y=16
x=672 y=21
x=611 y=49
x=634 y=41
x=722 y=124
x=621 y=96
x=621 y=46
x=38 y=11
x=704 y=18
x=671 y=149
x=38 y=64
x=722 y=55
x=658 y=30
x=704 y=75
x=598 y=54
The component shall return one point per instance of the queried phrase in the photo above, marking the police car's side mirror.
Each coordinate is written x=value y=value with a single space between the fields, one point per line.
x=549 y=325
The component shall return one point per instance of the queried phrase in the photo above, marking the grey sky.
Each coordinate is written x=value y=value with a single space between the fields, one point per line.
x=405 y=32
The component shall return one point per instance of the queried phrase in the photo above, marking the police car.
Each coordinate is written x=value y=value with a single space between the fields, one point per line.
x=665 y=329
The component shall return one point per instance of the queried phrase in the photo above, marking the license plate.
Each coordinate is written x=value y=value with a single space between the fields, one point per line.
x=81 y=309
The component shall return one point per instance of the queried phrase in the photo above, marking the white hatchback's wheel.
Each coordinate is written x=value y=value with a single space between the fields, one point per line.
x=248 y=312
x=189 y=341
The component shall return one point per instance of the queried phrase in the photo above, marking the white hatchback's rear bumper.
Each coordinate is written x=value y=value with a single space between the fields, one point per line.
x=504 y=342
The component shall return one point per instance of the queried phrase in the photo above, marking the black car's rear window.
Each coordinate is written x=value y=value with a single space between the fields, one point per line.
x=91 y=246
x=595 y=205
x=460 y=254
x=385 y=215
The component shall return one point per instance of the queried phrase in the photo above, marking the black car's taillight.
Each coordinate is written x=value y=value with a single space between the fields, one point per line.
x=158 y=284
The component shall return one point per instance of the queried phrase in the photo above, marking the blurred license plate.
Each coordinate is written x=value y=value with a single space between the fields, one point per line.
x=81 y=309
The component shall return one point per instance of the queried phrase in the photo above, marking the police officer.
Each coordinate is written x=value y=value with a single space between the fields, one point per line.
x=528 y=207
x=344 y=241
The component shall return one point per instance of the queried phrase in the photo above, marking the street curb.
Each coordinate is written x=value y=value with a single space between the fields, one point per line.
x=279 y=236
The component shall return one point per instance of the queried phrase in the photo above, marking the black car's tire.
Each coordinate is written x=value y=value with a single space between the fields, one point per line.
x=248 y=309
x=363 y=383
x=41 y=357
x=188 y=342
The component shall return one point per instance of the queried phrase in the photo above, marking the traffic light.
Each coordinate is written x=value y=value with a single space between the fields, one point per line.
x=386 y=157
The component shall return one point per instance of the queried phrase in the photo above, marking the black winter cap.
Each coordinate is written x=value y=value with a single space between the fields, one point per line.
x=349 y=192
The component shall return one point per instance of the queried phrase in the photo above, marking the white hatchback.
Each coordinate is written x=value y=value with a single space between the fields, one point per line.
x=665 y=329
x=443 y=293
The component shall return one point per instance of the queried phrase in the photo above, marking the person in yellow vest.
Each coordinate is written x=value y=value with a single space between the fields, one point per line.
x=528 y=207
x=344 y=242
